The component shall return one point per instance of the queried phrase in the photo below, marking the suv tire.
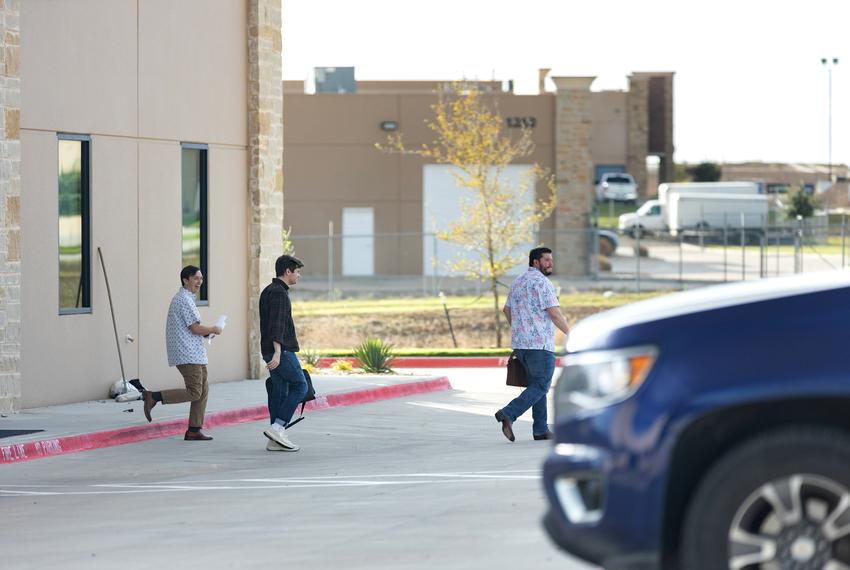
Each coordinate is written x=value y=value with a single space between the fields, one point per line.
x=781 y=498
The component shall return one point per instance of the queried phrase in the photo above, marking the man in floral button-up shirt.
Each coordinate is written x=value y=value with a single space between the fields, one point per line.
x=533 y=311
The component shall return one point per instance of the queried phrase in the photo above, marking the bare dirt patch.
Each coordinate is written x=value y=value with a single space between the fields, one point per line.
x=473 y=328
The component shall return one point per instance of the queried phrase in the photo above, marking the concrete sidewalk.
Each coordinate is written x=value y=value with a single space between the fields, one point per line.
x=103 y=423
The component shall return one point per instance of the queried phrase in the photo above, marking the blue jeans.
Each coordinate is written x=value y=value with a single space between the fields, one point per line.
x=286 y=387
x=539 y=365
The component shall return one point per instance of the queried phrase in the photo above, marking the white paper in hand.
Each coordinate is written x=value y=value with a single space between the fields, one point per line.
x=222 y=319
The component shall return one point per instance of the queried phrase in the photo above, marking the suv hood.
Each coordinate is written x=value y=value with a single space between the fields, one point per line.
x=592 y=332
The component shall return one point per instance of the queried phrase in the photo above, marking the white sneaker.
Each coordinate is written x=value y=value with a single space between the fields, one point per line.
x=273 y=446
x=277 y=434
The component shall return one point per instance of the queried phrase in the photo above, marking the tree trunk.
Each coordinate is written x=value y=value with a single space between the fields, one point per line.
x=496 y=317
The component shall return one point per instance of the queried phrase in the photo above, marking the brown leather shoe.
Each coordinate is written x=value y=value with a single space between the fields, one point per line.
x=147 y=396
x=547 y=435
x=507 y=425
x=196 y=436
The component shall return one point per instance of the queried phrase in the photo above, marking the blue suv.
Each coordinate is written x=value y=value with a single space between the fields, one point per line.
x=708 y=430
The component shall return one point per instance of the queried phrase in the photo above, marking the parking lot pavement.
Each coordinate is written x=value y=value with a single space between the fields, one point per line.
x=425 y=481
x=486 y=391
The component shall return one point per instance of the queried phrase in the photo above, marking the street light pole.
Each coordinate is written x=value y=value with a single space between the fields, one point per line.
x=829 y=64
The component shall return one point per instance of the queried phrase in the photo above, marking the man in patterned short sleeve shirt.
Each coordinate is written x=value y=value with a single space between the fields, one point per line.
x=184 y=341
x=533 y=311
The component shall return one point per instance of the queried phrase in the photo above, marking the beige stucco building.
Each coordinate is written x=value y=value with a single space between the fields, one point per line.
x=149 y=130
x=828 y=182
x=334 y=173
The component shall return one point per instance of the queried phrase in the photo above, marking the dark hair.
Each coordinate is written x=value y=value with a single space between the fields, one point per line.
x=536 y=254
x=187 y=272
x=285 y=262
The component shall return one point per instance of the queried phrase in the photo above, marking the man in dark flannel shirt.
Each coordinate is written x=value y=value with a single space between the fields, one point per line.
x=278 y=344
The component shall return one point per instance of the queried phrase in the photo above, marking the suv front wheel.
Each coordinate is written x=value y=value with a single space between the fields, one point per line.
x=781 y=500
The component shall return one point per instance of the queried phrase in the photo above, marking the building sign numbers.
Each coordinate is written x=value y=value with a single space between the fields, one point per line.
x=521 y=122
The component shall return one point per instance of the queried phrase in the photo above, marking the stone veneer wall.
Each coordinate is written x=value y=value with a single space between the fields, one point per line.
x=573 y=173
x=265 y=159
x=10 y=206
x=637 y=130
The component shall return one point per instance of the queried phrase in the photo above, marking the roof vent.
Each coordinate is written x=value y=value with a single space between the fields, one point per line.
x=335 y=80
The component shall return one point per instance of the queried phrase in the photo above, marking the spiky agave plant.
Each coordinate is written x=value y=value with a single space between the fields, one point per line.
x=310 y=356
x=375 y=356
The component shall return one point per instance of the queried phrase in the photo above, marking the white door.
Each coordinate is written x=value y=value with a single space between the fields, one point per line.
x=358 y=241
x=441 y=204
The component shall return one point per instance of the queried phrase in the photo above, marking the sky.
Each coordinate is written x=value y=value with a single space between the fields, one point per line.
x=748 y=85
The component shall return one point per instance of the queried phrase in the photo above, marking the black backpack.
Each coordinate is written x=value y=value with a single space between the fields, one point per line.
x=310 y=395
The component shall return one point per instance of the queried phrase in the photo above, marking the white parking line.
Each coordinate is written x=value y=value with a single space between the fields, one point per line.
x=372 y=480
x=478 y=410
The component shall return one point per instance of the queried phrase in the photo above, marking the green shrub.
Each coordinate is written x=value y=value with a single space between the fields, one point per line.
x=705 y=172
x=342 y=366
x=800 y=204
x=374 y=356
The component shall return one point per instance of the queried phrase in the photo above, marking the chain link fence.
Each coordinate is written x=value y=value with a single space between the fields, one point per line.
x=418 y=264
x=701 y=255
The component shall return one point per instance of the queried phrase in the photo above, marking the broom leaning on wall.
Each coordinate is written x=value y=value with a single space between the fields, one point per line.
x=122 y=390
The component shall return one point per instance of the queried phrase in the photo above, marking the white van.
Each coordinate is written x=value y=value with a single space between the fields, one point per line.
x=706 y=188
x=702 y=205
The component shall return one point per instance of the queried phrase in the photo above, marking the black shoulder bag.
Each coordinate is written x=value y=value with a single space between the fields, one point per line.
x=310 y=395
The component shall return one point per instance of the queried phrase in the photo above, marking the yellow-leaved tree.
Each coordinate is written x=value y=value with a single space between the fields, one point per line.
x=498 y=215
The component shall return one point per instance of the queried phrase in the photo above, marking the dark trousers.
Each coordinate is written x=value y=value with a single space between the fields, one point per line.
x=539 y=365
x=285 y=388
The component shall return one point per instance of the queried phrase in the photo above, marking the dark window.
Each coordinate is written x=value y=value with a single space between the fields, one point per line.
x=74 y=224
x=777 y=188
x=194 y=211
x=601 y=169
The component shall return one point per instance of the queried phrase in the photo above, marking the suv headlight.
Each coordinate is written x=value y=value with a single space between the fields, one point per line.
x=592 y=380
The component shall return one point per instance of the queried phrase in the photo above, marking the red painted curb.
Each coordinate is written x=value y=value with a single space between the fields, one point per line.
x=434 y=361
x=17 y=452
